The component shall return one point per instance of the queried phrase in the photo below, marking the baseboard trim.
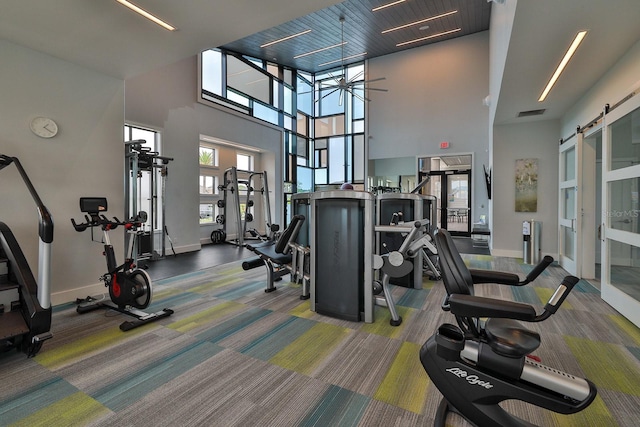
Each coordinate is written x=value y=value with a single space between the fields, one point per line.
x=71 y=295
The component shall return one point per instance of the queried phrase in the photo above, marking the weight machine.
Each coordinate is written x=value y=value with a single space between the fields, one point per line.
x=234 y=196
x=144 y=170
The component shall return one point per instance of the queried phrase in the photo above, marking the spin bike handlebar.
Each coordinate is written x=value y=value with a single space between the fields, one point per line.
x=106 y=224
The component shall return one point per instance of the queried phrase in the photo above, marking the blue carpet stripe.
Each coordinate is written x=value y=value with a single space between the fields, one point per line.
x=525 y=294
x=413 y=298
x=182 y=277
x=337 y=407
x=233 y=325
x=34 y=399
x=172 y=301
x=585 y=287
x=240 y=292
x=269 y=344
x=635 y=351
x=123 y=393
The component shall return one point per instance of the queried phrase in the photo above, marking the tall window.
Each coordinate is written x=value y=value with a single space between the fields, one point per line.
x=244 y=161
x=208 y=183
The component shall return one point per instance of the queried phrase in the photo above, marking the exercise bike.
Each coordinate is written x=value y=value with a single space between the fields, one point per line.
x=130 y=288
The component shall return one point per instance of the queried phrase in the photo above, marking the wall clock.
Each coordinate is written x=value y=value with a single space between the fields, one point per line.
x=44 y=127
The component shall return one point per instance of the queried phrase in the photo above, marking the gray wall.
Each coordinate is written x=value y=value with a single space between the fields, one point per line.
x=85 y=159
x=166 y=100
x=537 y=140
x=435 y=94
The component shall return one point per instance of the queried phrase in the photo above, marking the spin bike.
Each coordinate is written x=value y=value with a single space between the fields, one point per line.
x=129 y=286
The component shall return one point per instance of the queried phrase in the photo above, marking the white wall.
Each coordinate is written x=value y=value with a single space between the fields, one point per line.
x=538 y=140
x=435 y=94
x=166 y=99
x=617 y=83
x=85 y=159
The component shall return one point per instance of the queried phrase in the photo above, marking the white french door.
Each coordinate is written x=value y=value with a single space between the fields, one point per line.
x=620 y=238
x=570 y=205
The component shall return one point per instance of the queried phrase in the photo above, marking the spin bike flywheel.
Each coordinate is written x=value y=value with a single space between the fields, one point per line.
x=132 y=288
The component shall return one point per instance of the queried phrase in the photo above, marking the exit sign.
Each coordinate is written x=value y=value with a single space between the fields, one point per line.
x=444 y=145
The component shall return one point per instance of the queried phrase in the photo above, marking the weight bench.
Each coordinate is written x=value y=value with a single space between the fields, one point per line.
x=281 y=257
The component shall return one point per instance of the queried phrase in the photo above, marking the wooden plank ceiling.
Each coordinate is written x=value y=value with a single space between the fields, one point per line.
x=363 y=31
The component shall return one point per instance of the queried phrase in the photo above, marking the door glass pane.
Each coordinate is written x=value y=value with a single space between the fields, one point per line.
x=624 y=213
x=568 y=237
x=624 y=268
x=336 y=160
x=569 y=164
x=625 y=141
x=569 y=203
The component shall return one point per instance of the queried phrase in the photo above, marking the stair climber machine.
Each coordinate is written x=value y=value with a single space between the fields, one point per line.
x=25 y=306
x=130 y=288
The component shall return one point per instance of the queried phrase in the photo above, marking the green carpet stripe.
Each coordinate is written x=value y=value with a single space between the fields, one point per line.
x=77 y=409
x=34 y=399
x=268 y=345
x=381 y=326
x=137 y=385
x=303 y=310
x=171 y=301
x=414 y=298
x=233 y=325
x=629 y=328
x=596 y=415
x=406 y=382
x=94 y=343
x=606 y=365
x=307 y=352
x=206 y=316
x=337 y=407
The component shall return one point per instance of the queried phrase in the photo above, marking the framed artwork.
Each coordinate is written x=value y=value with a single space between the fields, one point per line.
x=526 y=183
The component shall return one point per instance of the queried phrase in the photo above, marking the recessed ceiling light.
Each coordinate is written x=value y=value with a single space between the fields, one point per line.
x=319 y=50
x=147 y=15
x=285 y=38
x=442 y=15
x=429 y=37
x=565 y=60
x=384 y=6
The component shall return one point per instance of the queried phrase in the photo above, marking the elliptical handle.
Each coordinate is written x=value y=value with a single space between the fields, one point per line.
x=542 y=265
x=561 y=293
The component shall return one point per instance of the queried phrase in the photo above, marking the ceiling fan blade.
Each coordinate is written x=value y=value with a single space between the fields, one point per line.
x=379 y=90
x=361 y=98
x=327 y=94
x=356 y=76
x=335 y=79
x=375 y=80
x=341 y=97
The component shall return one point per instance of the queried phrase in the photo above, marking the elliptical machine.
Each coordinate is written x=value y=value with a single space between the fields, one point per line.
x=129 y=287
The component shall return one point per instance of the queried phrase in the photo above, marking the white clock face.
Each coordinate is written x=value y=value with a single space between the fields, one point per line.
x=44 y=127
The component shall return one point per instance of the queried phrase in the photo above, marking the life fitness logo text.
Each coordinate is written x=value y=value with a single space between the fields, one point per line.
x=471 y=379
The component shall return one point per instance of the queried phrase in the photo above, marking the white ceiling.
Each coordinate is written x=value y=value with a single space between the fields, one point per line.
x=105 y=36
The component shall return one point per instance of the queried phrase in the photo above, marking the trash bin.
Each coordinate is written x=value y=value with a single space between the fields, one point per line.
x=531 y=231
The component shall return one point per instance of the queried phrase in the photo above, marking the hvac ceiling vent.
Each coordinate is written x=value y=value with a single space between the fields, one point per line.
x=531 y=113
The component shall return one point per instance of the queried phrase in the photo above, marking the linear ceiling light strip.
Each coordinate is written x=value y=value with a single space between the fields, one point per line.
x=384 y=6
x=147 y=15
x=429 y=37
x=285 y=38
x=420 y=21
x=319 y=50
x=343 y=59
x=567 y=57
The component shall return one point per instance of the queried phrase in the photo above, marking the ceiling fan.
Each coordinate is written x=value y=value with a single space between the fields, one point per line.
x=343 y=85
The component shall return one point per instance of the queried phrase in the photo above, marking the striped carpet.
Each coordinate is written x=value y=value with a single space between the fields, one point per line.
x=232 y=355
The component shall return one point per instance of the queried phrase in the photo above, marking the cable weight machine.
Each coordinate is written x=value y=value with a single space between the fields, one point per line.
x=238 y=191
x=145 y=178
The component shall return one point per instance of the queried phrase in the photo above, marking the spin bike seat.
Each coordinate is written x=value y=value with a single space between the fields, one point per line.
x=509 y=338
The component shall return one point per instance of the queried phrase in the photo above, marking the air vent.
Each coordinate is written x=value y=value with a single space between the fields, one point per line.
x=531 y=113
